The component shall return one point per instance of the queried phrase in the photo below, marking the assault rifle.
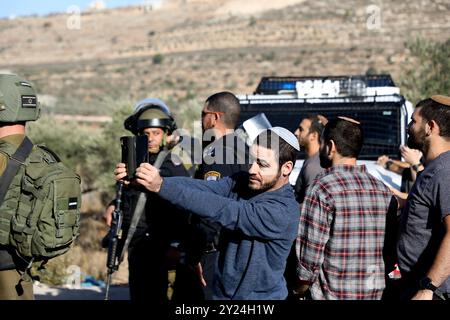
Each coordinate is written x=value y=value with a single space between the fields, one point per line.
x=116 y=247
x=115 y=235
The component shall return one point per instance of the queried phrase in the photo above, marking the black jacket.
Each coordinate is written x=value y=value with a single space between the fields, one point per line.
x=222 y=158
x=163 y=222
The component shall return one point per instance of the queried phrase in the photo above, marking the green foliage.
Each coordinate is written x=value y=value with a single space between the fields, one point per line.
x=188 y=114
x=66 y=139
x=268 y=56
x=105 y=153
x=158 y=58
x=430 y=74
x=93 y=153
x=348 y=15
x=371 y=71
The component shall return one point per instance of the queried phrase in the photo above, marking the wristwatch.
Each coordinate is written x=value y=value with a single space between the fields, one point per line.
x=426 y=284
x=388 y=164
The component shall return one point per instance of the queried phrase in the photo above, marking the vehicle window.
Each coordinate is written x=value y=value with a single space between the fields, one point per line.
x=380 y=121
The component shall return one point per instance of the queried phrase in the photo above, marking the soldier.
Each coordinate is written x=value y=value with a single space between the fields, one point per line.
x=18 y=104
x=155 y=233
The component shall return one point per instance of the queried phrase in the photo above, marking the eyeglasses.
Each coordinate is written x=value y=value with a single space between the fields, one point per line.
x=204 y=113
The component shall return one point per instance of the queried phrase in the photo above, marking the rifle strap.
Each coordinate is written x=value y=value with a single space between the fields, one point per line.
x=140 y=206
x=14 y=163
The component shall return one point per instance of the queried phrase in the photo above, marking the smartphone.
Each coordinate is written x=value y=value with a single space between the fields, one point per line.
x=134 y=152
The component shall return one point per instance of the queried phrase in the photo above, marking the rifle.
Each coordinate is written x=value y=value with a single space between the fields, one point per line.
x=115 y=256
x=115 y=235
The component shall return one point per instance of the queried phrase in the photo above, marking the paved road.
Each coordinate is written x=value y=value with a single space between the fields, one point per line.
x=44 y=292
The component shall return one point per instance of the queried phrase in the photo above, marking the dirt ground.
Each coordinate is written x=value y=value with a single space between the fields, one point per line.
x=253 y=6
x=116 y=291
x=45 y=292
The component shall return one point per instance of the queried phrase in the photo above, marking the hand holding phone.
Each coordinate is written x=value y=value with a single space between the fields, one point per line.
x=134 y=152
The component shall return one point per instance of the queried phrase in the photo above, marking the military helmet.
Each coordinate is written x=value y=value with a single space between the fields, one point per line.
x=18 y=100
x=150 y=113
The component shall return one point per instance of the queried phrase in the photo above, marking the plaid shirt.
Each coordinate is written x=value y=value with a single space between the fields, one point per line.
x=341 y=235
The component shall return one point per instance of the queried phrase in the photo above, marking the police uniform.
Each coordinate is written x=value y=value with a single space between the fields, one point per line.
x=160 y=225
x=222 y=158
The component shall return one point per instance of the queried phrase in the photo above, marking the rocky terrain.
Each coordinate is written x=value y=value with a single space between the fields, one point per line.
x=189 y=49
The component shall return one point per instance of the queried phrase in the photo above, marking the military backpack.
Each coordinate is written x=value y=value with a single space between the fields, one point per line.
x=40 y=210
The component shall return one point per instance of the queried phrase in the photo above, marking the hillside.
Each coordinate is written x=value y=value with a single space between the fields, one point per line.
x=182 y=52
x=189 y=49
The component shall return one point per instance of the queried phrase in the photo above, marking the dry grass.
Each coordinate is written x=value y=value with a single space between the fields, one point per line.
x=205 y=51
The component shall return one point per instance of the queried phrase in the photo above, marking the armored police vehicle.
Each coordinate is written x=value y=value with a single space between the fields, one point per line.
x=374 y=100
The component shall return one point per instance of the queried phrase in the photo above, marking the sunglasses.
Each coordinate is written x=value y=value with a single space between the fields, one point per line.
x=204 y=113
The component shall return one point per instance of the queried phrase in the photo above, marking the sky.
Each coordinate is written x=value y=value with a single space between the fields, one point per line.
x=13 y=8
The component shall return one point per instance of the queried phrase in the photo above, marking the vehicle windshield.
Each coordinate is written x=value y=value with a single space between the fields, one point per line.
x=381 y=121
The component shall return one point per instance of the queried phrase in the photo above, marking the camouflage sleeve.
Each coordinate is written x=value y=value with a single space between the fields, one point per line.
x=3 y=162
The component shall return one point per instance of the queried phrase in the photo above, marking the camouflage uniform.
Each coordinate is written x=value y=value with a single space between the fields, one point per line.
x=18 y=104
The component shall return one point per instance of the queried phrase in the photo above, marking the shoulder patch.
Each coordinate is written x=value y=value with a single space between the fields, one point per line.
x=212 y=176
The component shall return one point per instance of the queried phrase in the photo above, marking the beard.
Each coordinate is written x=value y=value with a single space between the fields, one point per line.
x=302 y=143
x=325 y=162
x=266 y=185
x=413 y=144
x=417 y=140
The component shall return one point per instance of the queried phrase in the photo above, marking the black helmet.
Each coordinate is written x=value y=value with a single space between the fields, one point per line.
x=150 y=113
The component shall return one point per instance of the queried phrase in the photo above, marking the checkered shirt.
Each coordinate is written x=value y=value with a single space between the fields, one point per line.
x=341 y=235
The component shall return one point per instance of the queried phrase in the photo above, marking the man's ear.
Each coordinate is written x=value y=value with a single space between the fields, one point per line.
x=217 y=116
x=213 y=121
x=432 y=127
x=287 y=168
x=331 y=147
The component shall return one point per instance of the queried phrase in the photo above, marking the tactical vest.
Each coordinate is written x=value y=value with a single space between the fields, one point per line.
x=40 y=214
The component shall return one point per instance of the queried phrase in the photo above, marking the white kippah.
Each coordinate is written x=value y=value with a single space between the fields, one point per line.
x=255 y=125
x=287 y=136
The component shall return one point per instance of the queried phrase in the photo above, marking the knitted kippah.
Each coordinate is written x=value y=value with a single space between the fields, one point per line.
x=441 y=99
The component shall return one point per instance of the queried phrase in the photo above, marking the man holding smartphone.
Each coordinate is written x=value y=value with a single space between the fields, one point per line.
x=256 y=209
